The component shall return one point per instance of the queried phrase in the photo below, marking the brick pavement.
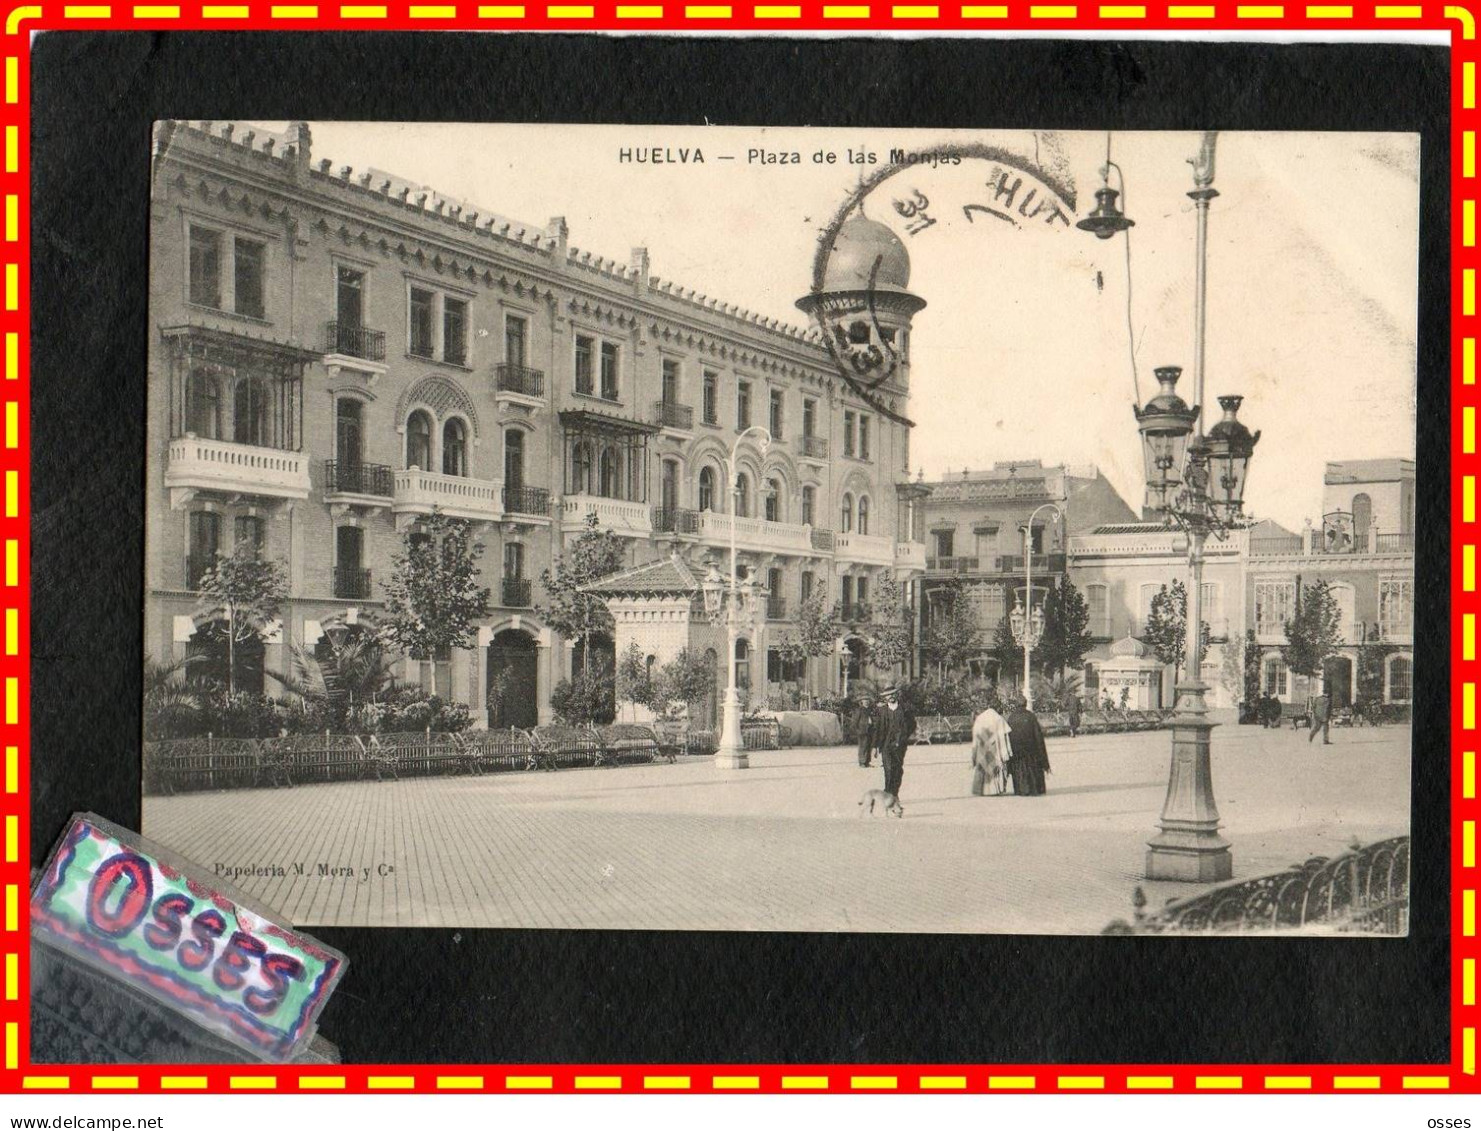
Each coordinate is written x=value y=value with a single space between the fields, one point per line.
x=781 y=846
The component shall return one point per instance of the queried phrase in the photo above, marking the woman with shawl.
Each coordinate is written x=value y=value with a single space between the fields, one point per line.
x=990 y=753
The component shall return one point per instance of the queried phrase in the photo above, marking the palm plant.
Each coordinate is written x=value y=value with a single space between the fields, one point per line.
x=354 y=670
x=170 y=703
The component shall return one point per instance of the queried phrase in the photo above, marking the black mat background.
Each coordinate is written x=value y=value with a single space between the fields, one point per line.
x=527 y=996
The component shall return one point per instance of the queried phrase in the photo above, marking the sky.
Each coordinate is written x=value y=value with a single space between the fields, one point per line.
x=1023 y=349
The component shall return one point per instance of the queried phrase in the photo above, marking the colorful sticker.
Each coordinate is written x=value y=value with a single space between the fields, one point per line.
x=108 y=900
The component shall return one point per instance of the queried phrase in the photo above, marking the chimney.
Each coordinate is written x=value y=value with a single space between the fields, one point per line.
x=302 y=142
x=640 y=265
x=557 y=230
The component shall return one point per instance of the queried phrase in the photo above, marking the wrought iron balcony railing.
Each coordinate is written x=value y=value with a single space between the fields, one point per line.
x=351 y=583
x=352 y=478
x=854 y=612
x=671 y=414
x=675 y=520
x=517 y=593
x=954 y=565
x=776 y=608
x=1043 y=563
x=511 y=378
x=196 y=566
x=527 y=500
x=815 y=446
x=822 y=539
x=354 y=340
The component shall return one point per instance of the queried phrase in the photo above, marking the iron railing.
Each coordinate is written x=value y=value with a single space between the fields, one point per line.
x=954 y=565
x=196 y=566
x=1043 y=563
x=527 y=500
x=354 y=340
x=511 y=378
x=776 y=608
x=517 y=593
x=1363 y=891
x=854 y=612
x=670 y=414
x=675 y=520
x=352 y=583
x=353 y=478
x=815 y=446
x=822 y=539
x=1271 y=545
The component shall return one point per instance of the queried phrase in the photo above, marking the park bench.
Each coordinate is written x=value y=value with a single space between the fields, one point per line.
x=1297 y=713
x=628 y=742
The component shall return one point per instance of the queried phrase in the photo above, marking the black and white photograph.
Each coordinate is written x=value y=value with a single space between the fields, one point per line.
x=726 y=528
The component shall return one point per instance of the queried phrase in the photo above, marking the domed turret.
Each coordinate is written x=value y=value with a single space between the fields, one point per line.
x=866 y=253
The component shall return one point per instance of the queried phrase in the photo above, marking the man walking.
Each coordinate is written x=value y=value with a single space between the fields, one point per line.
x=894 y=728
x=1074 y=715
x=864 y=723
x=1321 y=716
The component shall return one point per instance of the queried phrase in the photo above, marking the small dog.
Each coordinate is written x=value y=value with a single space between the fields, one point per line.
x=887 y=801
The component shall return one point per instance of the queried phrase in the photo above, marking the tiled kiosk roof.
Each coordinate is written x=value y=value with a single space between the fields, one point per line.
x=666 y=577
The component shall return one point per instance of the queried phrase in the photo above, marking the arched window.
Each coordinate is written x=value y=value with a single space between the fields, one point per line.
x=863 y=514
x=773 y=509
x=707 y=489
x=419 y=441
x=743 y=495
x=846 y=516
x=1400 y=682
x=611 y=474
x=581 y=468
x=454 y=448
x=203 y=405
x=1362 y=521
x=251 y=423
x=809 y=505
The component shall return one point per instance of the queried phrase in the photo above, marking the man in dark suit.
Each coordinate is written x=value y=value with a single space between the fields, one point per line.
x=1321 y=717
x=894 y=727
x=864 y=722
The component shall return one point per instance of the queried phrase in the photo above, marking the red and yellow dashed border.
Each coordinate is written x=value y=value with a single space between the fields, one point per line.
x=17 y=1075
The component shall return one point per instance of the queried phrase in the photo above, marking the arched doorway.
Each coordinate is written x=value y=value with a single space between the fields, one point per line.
x=1337 y=679
x=511 y=686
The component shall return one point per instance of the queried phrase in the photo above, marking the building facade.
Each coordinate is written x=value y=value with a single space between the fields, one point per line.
x=335 y=353
x=974 y=524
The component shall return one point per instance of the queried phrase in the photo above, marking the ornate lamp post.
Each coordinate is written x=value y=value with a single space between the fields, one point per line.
x=1196 y=481
x=744 y=605
x=1026 y=621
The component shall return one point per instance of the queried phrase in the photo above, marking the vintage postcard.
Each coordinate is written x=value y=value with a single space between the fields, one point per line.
x=755 y=529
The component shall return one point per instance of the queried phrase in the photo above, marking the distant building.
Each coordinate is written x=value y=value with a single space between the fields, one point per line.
x=974 y=524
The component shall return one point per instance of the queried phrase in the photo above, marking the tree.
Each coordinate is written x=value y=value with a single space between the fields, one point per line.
x=241 y=595
x=688 y=678
x=587 y=697
x=1372 y=656
x=593 y=555
x=815 y=633
x=1166 y=630
x=1315 y=632
x=1067 y=636
x=433 y=599
x=889 y=631
x=952 y=635
x=634 y=681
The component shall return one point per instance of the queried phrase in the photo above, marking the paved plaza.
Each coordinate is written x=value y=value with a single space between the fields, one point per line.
x=781 y=846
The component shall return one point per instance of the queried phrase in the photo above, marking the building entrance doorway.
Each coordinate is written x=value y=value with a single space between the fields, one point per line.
x=1337 y=678
x=512 y=677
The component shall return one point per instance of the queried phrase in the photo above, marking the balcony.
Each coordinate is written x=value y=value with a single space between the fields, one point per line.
x=910 y=556
x=235 y=469
x=526 y=501
x=814 y=447
x=1042 y=563
x=1393 y=543
x=519 y=380
x=353 y=584
x=869 y=549
x=517 y=593
x=670 y=414
x=634 y=520
x=675 y=520
x=368 y=480
x=195 y=568
x=347 y=339
x=776 y=608
x=954 y=565
x=755 y=534
x=1396 y=632
x=416 y=492
x=822 y=539
x=853 y=612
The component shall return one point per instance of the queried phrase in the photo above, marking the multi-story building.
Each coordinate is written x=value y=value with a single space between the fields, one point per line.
x=975 y=521
x=1364 y=550
x=336 y=352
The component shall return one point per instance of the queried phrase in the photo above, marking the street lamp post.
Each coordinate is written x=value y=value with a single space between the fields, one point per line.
x=1027 y=623
x=1199 y=485
x=731 y=754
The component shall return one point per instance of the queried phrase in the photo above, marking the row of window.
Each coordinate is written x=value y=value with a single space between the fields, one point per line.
x=1275 y=604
